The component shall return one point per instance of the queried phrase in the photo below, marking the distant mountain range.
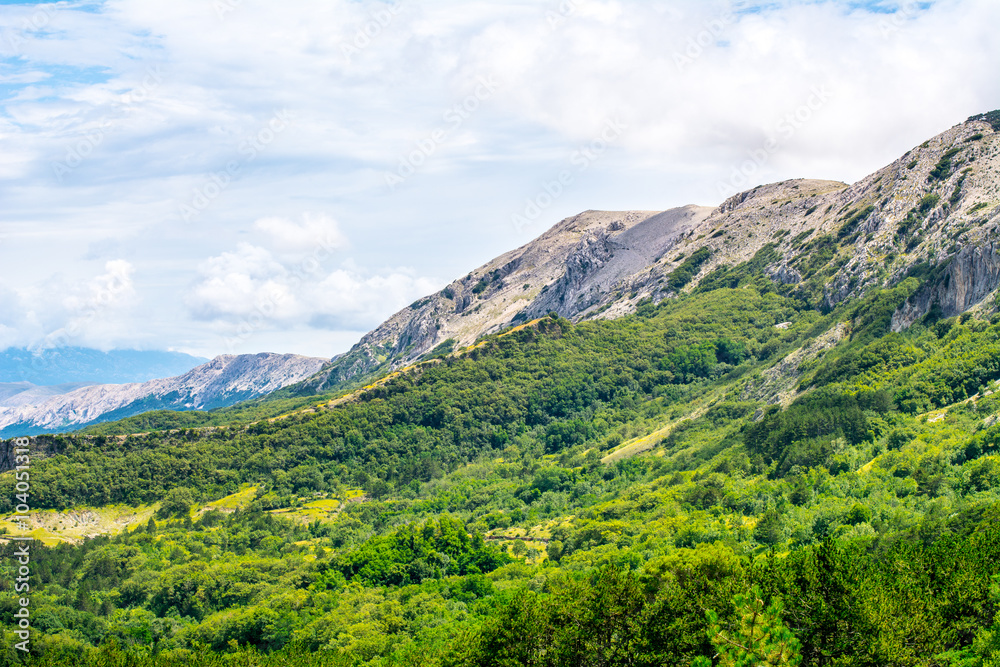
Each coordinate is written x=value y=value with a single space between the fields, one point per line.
x=29 y=410
x=64 y=365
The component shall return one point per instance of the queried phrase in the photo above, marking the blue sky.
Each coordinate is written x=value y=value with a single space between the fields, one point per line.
x=219 y=176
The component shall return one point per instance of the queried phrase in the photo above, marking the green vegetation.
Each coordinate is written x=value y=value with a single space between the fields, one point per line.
x=443 y=349
x=927 y=203
x=816 y=254
x=801 y=237
x=909 y=230
x=686 y=272
x=279 y=403
x=942 y=170
x=853 y=219
x=761 y=637
x=552 y=382
x=467 y=517
x=486 y=281
x=956 y=195
x=993 y=118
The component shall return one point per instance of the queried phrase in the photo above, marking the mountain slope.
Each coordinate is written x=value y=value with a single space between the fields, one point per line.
x=569 y=269
x=223 y=381
x=936 y=209
x=502 y=447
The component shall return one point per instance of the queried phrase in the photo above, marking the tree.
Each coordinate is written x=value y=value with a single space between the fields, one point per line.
x=177 y=502
x=768 y=528
x=987 y=643
x=759 y=640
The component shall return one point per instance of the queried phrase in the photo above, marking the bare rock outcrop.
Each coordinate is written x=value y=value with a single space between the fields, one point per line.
x=968 y=278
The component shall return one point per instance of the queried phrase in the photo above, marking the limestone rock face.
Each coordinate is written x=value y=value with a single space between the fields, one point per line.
x=575 y=269
x=784 y=274
x=970 y=277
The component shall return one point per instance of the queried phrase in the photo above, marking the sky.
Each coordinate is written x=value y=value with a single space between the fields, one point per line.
x=235 y=176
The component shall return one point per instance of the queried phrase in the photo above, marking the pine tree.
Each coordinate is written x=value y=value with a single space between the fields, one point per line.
x=759 y=640
x=987 y=643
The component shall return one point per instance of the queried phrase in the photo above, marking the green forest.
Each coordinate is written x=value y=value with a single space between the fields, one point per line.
x=736 y=476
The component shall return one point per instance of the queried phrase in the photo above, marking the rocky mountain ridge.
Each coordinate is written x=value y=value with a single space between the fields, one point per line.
x=223 y=381
x=933 y=212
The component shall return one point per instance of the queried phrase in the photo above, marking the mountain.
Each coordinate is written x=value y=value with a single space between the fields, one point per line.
x=225 y=380
x=25 y=393
x=933 y=210
x=61 y=365
x=772 y=429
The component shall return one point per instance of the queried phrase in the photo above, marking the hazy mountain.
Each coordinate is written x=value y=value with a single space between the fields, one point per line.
x=63 y=365
x=25 y=393
x=225 y=380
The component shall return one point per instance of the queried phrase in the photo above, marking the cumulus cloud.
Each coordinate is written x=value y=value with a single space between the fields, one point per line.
x=107 y=290
x=58 y=310
x=316 y=233
x=12 y=318
x=97 y=309
x=349 y=298
x=256 y=287
x=240 y=282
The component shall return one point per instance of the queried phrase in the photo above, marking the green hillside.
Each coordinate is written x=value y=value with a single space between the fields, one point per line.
x=734 y=476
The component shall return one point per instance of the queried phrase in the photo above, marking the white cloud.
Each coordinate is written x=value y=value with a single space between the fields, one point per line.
x=316 y=234
x=350 y=298
x=237 y=283
x=11 y=311
x=254 y=288
x=60 y=310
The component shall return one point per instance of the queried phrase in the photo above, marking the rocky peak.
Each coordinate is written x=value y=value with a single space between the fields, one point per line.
x=937 y=205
